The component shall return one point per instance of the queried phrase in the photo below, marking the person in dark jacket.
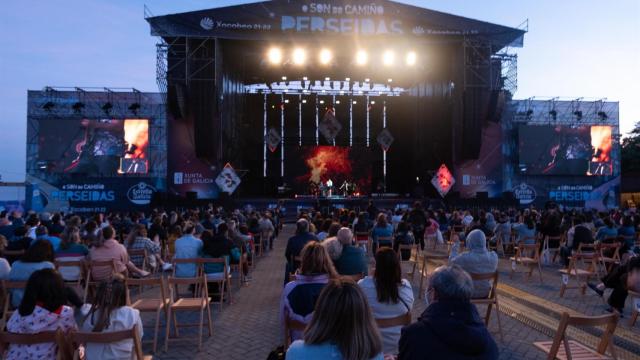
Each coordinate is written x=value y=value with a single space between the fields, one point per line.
x=450 y=328
x=295 y=245
x=353 y=260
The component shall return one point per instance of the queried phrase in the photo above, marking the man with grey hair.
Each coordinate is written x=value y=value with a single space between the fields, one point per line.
x=450 y=327
x=295 y=245
x=352 y=261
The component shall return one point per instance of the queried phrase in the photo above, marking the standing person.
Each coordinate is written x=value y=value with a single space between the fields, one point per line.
x=450 y=327
x=43 y=308
x=341 y=327
x=299 y=296
x=295 y=245
x=389 y=295
x=382 y=229
x=187 y=247
x=265 y=225
x=418 y=221
x=108 y=314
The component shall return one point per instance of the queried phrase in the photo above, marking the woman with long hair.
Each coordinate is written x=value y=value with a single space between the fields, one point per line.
x=300 y=295
x=71 y=249
x=39 y=256
x=110 y=313
x=341 y=327
x=388 y=294
x=43 y=308
x=382 y=229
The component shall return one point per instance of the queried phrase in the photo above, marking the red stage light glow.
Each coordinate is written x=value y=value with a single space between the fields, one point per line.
x=136 y=134
x=326 y=161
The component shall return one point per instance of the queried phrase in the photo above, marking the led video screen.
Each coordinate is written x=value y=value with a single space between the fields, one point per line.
x=565 y=150
x=347 y=170
x=103 y=147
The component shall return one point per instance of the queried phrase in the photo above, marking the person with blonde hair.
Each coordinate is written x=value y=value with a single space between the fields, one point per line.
x=342 y=327
x=300 y=295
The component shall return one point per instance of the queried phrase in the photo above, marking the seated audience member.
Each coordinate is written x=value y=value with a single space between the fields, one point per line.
x=403 y=237
x=361 y=224
x=187 y=247
x=5 y=267
x=295 y=245
x=525 y=230
x=43 y=308
x=607 y=231
x=324 y=230
x=352 y=260
x=503 y=229
x=341 y=327
x=477 y=260
x=108 y=314
x=578 y=234
x=450 y=327
x=42 y=233
x=71 y=250
x=39 y=256
x=299 y=296
x=266 y=225
x=108 y=248
x=333 y=247
x=621 y=279
x=20 y=241
x=629 y=232
x=174 y=234
x=138 y=239
x=382 y=229
x=388 y=294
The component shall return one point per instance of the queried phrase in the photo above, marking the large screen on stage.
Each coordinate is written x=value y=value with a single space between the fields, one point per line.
x=309 y=168
x=93 y=147
x=565 y=150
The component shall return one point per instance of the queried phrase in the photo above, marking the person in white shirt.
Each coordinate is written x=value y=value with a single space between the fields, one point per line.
x=389 y=295
x=108 y=314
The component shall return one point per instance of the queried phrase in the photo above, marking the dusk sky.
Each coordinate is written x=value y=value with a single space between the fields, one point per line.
x=574 y=48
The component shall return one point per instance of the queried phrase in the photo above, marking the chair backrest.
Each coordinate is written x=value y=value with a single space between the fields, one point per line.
x=405 y=247
x=558 y=238
x=57 y=337
x=8 y=285
x=525 y=250
x=93 y=264
x=614 y=247
x=493 y=277
x=183 y=261
x=384 y=238
x=139 y=252
x=150 y=281
x=201 y=262
x=610 y=321
x=111 y=337
x=200 y=283
x=585 y=248
x=361 y=236
x=402 y=320
x=354 y=278
x=15 y=253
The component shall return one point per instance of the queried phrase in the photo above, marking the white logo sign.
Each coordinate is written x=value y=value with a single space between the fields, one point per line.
x=228 y=181
x=330 y=126
x=206 y=23
x=524 y=193
x=141 y=194
x=385 y=139
x=273 y=139
x=178 y=178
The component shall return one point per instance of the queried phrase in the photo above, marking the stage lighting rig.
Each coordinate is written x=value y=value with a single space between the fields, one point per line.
x=411 y=58
x=325 y=56
x=107 y=108
x=602 y=115
x=299 y=56
x=578 y=114
x=78 y=107
x=362 y=57
x=48 y=106
x=134 y=108
x=553 y=114
x=275 y=56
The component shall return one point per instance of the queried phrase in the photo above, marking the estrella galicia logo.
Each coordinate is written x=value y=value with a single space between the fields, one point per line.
x=524 y=193
x=141 y=193
x=207 y=23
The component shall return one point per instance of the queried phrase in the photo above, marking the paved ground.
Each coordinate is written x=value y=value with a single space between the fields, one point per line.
x=249 y=328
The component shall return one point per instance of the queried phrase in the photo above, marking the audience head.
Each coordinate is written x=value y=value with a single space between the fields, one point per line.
x=110 y=295
x=316 y=260
x=450 y=283
x=381 y=220
x=70 y=235
x=345 y=236
x=476 y=240
x=189 y=228
x=41 y=231
x=387 y=276
x=333 y=229
x=302 y=226
x=333 y=247
x=46 y=289
x=342 y=317
x=39 y=251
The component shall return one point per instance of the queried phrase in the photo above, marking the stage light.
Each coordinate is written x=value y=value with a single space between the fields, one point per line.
x=304 y=101
x=284 y=78
x=327 y=79
x=373 y=102
x=367 y=80
x=48 y=106
x=299 y=56
x=362 y=57
x=602 y=115
x=134 y=108
x=388 y=58
x=275 y=56
x=305 y=78
x=354 y=102
x=107 y=108
x=578 y=115
x=78 y=107
x=325 y=56
x=389 y=80
x=411 y=58
x=321 y=101
x=286 y=101
x=347 y=79
x=337 y=102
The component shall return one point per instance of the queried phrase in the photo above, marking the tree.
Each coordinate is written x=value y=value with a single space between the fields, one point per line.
x=631 y=151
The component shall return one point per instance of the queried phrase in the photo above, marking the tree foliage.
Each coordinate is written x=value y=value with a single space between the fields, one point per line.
x=631 y=151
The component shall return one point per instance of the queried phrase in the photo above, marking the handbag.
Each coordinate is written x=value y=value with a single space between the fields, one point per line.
x=277 y=354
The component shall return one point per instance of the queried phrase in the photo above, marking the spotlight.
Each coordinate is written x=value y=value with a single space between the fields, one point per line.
x=602 y=115
x=388 y=58
x=411 y=58
x=327 y=79
x=321 y=101
x=305 y=78
x=367 y=80
x=553 y=114
x=48 y=106
x=390 y=80
x=304 y=101
x=347 y=79
x=362 y=57
x=107 y=107
x=337 y=102
x=78 y=107
x=284 y=78
x=373 y=102
x=275 y=56
x=325 y=56
x=354 y=102
x=134 y=108
x=286 y=101
x=578 y=114
x=299 y=56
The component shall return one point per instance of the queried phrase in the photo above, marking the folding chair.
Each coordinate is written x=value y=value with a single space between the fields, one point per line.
x=526 y=255
x=575 y=350
x=556 y=250
x=635 y=306
x=491 y=299
x=110 y=337
x=424 y=271
x=199 y=302
x=402 y=320
x=155 y=305
x=388 y=241
x=141 y=253
x=238 y=267
x=499 y=246
x=8 y=309
x=412 y=258
x=291 y=325
x=73 y=265
x=581 y=274
x=362 y=240
x=355 y=278
x=223 y=279
x=91 y=283
x=57 y=337
x=609 y=255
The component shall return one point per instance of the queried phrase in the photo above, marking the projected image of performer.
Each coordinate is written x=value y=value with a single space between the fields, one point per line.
x=569 y=153
x=329 y=187
x=100 y=151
